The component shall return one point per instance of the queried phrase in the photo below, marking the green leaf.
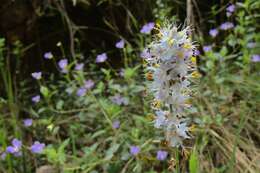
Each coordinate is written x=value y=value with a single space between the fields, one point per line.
x=61 y=151
x=44 y=91
x=193 y=163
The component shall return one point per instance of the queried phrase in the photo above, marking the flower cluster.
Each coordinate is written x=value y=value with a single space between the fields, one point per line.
x=170 y=65
x=16 y=148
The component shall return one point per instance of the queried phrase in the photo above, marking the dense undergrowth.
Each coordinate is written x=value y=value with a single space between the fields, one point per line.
x=85 y=115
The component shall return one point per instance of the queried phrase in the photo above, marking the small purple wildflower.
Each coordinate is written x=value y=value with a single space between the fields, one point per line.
x=255 y=58
x=89 y=84
x=15 y=147
x=37 y=147
x=226 y=26
x=101 y=58
x=134 y=150
x=251 y=45
x=161 y=155
x=36 y=98
x=119 y=100
x=79 y=66
x=81 y=91
x=27 y=122
x=231 y=8
x=120 y=44
x=48 y=55
x=37 y=75
x=116 y=124
x=63 y=63
x=213 y=32
x=147 y=28
x=207 y=48
x=196 y=52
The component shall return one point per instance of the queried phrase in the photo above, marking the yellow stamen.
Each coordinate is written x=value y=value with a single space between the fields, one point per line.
x=156 y=104
x=170 y=42
x=187 y=46
x=193 y=59
x=195 y=74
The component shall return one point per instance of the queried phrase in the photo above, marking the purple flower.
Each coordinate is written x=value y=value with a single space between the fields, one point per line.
x=251 y=45
x=37 y=147
x=89 y=84
x=134 y=150
x=81 y=91
x=120 y=44
x=196 y=52
x=119 y=100
x=207 y=48
x=226 y=26
x=37 y=75
x=161 y=155
x=231 y=8
x=255 y=58
x=79 y=66
x=101 y=58
x=63 y=63
x=15 y=147
x=48 y=55
x=116 y=124
x=27 y=122
x=147 y=28
x=213 y=32
x=36 y=98
x=122 y=72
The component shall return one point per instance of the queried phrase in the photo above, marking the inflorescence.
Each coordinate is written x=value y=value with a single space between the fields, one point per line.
x=170 y=64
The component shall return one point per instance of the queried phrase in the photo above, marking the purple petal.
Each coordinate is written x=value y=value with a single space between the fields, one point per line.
x=89 y=84
x=36 y=98
x=48 y=55
x=27 y=122
x=213 y=32
x=101 y=58
x=120 y=44
x=255 y=58
x=37 y=147
x=37 y=75
x=79 y=66
x=134 y=150
x=161 y=155
x=147 y=28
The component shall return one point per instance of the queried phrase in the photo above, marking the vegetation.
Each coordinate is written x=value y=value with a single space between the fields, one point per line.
x=74 y=95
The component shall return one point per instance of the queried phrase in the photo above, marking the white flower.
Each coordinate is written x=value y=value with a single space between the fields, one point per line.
x=169 y=67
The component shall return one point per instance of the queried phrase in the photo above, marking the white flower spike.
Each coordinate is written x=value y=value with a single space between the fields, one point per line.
x=170 y=65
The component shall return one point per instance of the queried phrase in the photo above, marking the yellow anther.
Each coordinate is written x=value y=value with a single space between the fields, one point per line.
x=195 y=74
x=170 y=42
x=156 y=104
x=193 y=59
x=187 y=46
x=157 y=25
